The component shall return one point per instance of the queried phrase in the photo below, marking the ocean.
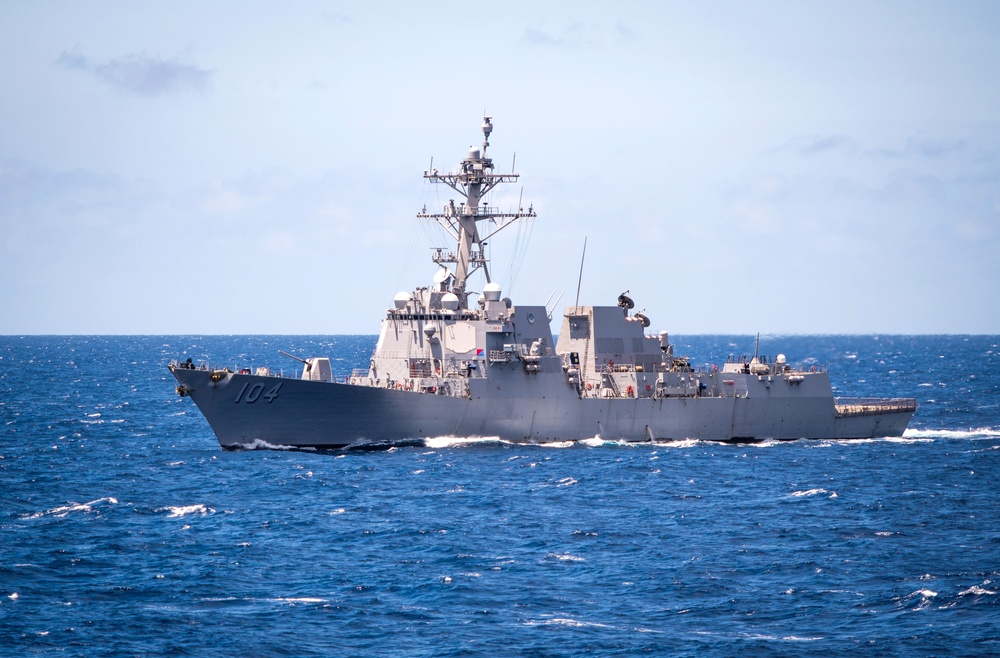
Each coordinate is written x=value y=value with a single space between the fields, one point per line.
x=126 y=530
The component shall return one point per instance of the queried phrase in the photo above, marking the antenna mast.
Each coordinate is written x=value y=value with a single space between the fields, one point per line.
x=473 y=180
x=580 y=280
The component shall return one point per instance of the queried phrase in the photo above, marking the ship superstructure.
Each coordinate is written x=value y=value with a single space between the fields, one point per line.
x=443 y=366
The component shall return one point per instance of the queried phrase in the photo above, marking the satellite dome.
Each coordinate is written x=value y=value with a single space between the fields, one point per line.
x=492 y=292
x=441 y=275
x=449 y=301
x=401 y=299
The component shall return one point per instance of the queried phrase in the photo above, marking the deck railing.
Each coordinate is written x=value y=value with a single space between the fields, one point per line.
x=870 y=406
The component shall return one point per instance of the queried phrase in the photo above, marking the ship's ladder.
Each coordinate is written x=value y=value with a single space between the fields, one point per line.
x=609 y=376
x=586 y=350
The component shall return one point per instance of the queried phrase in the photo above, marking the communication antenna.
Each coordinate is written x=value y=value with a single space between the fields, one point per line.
x=548 y=313
x=580 y=279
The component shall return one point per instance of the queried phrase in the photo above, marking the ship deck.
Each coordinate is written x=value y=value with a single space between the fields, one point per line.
x=848 y=407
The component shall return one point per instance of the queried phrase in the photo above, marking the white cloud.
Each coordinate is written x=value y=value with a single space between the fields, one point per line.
x=142 y=74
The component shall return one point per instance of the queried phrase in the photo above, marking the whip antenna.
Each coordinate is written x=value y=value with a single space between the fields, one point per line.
x=580 y=280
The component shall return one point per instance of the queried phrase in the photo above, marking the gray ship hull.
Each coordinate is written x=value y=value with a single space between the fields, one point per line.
x=453 y=362
x=246 y=409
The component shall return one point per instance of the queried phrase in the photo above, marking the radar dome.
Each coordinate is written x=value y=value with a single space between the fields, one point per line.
x=492 y=292
x=449 y=301
x=400 y=299
x=780 y=360
x=441 y=275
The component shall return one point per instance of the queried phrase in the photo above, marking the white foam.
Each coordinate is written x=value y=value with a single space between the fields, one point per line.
x=925 y=596
x=456 y=441
x=976 y=590
x=566 y=557
x=298 y=599
x=974 y=433
x=73 y=507
x=796 y=638
x=679 y=443
x=907 y=440
x=765 y=443
x=808 y=492
x=259 y=444
x=566 y=482
x=557 y=444
x=185 y=510
x=566 y=621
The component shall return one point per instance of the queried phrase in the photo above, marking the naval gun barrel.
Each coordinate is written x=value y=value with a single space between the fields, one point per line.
x=292 y=356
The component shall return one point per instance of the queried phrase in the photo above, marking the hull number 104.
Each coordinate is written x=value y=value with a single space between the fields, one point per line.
x=256 y=392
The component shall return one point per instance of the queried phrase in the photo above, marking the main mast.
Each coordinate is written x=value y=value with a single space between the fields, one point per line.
x=473 y=180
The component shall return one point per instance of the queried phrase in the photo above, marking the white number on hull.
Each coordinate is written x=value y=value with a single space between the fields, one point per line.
x=256 y=392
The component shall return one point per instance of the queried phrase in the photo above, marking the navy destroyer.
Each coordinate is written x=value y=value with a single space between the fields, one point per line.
x=451 y=361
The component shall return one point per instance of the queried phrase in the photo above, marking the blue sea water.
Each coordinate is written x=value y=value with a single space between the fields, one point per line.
x=126 y=530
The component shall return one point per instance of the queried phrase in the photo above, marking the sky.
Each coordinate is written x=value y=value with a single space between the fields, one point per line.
x=739 y=167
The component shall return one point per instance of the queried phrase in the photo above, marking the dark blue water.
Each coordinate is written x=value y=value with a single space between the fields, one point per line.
x=125 y=530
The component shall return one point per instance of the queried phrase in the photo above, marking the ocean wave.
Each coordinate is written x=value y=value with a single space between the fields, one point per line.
x=975 y=433
x=259 y=444
x=922 y=598
x=766 y=443
x=292 y=600
x=566 y=621
x=460 y=441
x=557 y=444
x=186 y=510
x=759 y=636
x=678 y=443
x=807 y=492
x=978 y=590
x=64 y=510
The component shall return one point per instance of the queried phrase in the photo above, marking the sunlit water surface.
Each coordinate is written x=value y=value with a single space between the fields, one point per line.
x=125 y=529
